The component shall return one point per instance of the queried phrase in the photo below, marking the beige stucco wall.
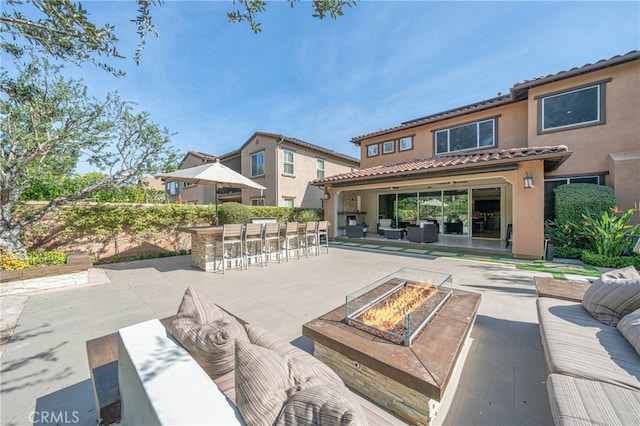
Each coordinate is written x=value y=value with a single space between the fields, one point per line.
x=511 y=132
x=625 y=176
x=281 y=185
x=591 y=145
x=271 y=171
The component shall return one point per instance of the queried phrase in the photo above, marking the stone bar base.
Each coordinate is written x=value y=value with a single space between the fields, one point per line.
x=203 y=251
x=406 y=402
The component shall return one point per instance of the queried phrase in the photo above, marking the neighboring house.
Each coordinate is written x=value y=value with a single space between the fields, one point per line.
x=486 y=172
x=284 y=165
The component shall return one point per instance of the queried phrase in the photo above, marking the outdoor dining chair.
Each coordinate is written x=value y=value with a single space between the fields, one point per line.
x=323 y=231
x=232 y=239
x=253 y=243
x=290 y=235
x=272 y=237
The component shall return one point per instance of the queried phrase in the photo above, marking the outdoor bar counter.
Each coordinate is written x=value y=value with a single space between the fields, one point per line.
x=203 y=245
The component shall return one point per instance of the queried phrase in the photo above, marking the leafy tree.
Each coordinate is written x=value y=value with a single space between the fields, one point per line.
x=62 y=29
x=47 y=124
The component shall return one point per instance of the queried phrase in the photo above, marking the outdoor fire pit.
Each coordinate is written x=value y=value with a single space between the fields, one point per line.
x=399 y=306
x=401 y=341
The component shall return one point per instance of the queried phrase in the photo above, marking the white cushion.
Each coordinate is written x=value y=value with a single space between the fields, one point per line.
x=385 y=222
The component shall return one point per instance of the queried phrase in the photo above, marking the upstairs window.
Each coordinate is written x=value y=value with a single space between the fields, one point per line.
x=405 y=144
x=257 y=202
x=480 y=134
x=372 y=150
x=388 y=147
x=288 y=161
x=257 y=164
x=574 y=108
x=319 y=168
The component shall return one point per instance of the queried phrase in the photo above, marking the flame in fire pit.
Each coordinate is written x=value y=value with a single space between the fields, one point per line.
x=398 y=305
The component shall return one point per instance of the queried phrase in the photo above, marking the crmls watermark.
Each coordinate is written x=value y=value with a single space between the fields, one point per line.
x=54 y=417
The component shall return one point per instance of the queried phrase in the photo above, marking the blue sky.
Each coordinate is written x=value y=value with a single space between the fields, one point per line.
x=215 y=83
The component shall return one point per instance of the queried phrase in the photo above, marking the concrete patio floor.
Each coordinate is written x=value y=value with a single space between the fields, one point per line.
x=44 y=368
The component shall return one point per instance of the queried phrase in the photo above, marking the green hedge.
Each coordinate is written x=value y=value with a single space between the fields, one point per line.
x=141 y=222
x=572 y=200
x=610 y=262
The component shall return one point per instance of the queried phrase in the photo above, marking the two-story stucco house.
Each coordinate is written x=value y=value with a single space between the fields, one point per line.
x=285 y=166
x=485 y=172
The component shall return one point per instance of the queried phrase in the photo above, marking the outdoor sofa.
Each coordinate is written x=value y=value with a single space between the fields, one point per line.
x=592 y=351
x=209 y=367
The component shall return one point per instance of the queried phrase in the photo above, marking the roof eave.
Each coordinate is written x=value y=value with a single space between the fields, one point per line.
x=551 y=162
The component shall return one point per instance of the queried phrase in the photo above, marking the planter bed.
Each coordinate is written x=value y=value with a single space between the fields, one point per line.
x=74 y=273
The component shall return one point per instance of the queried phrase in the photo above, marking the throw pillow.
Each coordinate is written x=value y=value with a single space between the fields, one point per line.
x=612 y=296
x=208 y=333
x=629 y=327
x=302 y=365
x=322 y=405
x=262 y=383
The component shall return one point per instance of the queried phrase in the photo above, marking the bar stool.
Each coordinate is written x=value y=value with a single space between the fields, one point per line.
x=310 y=237
x=271 y=237
x=232 y=238
x=290 y=234
x=252 y=239
x=323 y=231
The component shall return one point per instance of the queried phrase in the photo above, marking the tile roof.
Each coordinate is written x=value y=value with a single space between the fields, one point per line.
x=304 y=144
x=518 y=92
x=441 y=163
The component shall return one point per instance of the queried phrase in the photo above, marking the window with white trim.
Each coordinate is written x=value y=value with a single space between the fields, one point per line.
x=319 y=168
x=287 y=166
x=288 y=202
x=578 y=107
x=257 y=164
x=388 y=147
x=257 y=202
x=480 y=134
x=372 y=150
x=405 y=144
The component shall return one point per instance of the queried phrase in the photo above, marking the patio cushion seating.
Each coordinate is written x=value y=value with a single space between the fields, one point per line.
x=577 y=401
x=270 y=381
x=612 y=296
x=208 y=333
x=594 y=370
x=382 y=224
x=578 y=345
x=629 y=327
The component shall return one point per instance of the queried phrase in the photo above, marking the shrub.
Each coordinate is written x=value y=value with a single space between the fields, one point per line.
x=12 y=262
x=233 y=213
x=564 y=238
x=608 y=233
x=307 y=216
x=610 y=261
x=571 y=200
x=43 y=258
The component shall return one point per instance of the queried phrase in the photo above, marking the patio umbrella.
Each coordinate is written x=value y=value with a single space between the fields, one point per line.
x=434 y=202
x=215 y=174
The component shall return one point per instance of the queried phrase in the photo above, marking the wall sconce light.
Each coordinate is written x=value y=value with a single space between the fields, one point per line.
x=326 y=196
x=528 y=181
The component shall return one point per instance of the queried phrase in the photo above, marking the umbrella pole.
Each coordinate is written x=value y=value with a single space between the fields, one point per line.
x=215 y=198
